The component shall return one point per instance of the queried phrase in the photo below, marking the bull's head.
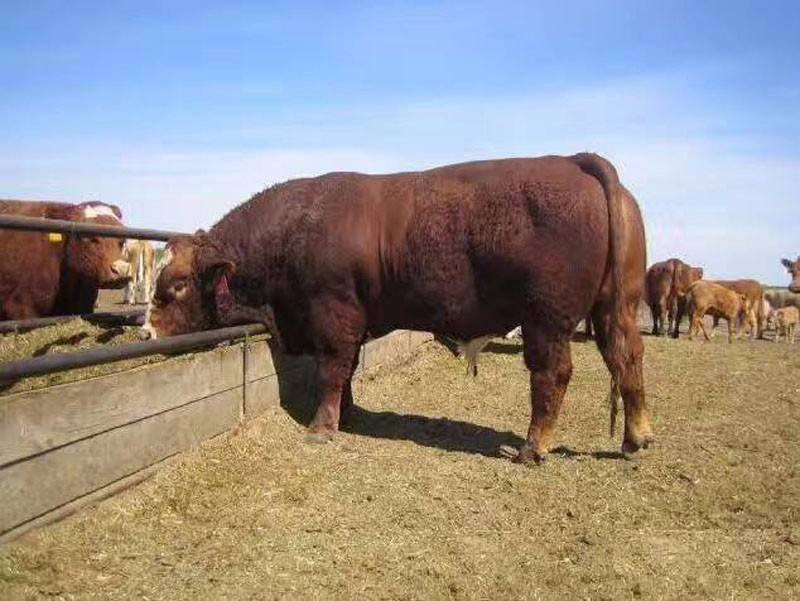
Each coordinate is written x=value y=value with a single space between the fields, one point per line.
x=793 y=267
x=98 y=260
x=192 y=291
x=186 y=280
x=695 y=273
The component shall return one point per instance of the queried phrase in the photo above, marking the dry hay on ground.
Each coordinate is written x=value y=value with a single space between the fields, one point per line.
x=413 y=502
x=68 y=337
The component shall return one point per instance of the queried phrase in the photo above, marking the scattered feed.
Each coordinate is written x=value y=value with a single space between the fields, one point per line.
x=413 y=501
x=68 y=337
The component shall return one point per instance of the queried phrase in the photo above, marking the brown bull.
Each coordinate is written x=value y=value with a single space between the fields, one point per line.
x=44 y=274
x=666 y=285
x=462 y=251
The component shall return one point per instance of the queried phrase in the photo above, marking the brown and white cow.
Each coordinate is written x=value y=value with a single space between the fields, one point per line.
x=667 y=283
x=786 y=320
x=462 y=251
x=142 y=258
x=709 y=298
x=793 y=267
x=43 y=274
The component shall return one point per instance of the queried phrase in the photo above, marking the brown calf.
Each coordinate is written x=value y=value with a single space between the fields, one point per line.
x=715 y=300
x=786 y=320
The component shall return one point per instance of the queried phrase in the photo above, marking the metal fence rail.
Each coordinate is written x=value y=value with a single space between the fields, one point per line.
x=130 y=317
x=13 y=370
x=37 y=366
x=37 y=224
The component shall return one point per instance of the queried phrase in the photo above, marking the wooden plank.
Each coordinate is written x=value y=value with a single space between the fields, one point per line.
x=261 y=395
x=36 y=486
x=68 y=509
x=259 y=361
x=36 y=421
x=387 y=350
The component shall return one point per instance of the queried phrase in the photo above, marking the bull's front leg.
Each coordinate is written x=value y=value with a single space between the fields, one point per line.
x=332 y=374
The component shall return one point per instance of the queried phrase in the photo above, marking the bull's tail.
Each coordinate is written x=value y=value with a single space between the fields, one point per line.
x=617 y=349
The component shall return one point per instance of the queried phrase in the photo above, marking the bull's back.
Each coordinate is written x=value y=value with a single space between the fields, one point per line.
x=466 y=248
x=485 y=242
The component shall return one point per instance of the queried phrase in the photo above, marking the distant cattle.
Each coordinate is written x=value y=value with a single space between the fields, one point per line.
x=781 y=297
x=709 y=298
x=793 y=267
x=462 y=251
x=786 y=320
x=767 y=310
x=667 y=283
x=43 y=274
x=753 y=316
x=142 y=258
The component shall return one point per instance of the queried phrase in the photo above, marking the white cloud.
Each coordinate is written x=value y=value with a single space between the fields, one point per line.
x=714 y=199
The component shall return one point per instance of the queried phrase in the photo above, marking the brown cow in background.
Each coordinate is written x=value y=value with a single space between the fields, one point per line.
x=461 y=251
x=43 y=274
x=793 y=267
x=667 y=283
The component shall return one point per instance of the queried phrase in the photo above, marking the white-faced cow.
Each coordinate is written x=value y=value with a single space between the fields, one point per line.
x=43 y=274
x=142 y=258
x=462 y=251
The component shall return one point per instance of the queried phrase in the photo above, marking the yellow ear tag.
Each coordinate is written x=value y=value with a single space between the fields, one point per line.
x=55 y=237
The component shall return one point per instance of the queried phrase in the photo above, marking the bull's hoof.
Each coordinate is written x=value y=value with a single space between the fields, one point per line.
x=630 y=447
x=527 y=455
x=319 y=436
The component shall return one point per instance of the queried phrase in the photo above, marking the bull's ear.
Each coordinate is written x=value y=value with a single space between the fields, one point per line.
x=212 y=266
x=786 y=263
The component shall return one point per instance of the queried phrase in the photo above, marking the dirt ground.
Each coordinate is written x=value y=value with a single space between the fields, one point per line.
x=414 y=501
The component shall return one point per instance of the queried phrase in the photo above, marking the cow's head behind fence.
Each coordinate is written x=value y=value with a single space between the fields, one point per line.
x=97 y=259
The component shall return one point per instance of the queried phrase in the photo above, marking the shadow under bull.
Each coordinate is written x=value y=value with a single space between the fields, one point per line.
x=299 y=398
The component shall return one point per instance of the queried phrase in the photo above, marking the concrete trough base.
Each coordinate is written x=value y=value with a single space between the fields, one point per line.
x=66 y=446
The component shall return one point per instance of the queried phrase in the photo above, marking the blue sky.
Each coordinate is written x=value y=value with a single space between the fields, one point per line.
x=178 y=111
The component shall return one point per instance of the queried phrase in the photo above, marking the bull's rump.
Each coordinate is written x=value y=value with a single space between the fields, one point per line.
x=464 y=250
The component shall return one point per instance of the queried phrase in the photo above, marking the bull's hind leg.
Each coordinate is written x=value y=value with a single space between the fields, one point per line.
x=549 y=360
x=626 y=372
x=655 y=312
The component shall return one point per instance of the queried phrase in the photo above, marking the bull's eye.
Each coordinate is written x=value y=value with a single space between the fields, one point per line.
x=94 y=240
x=179 y=289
